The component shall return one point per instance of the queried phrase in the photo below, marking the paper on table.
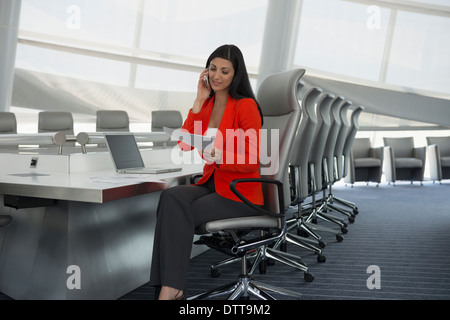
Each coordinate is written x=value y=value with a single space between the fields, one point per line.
x=195 y=140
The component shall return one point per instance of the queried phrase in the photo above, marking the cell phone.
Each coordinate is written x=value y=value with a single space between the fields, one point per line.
x=206 y=79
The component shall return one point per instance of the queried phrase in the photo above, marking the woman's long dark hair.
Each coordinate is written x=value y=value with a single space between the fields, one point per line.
x=240 y=86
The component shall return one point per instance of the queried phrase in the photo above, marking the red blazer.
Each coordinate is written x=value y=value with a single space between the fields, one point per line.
x=238 y=138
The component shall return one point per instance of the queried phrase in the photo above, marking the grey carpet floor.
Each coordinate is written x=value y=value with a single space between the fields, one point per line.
x=403 y=230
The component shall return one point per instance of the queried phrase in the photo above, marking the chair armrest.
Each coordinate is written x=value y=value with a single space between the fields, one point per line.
x=434 y=161
x=350 y=176
x=252 y=205
x=195 y=177
x=419 y=153
x=376 y=153
x=389 y=164
x=295 y=183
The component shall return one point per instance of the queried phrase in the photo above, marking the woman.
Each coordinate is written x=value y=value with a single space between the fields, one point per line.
x=226 y=107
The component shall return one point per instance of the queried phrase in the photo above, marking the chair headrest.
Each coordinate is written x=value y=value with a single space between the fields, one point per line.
x=277 y=94
x=166 y=118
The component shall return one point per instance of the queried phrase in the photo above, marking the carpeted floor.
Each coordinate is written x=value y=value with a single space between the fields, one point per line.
x=402 y=230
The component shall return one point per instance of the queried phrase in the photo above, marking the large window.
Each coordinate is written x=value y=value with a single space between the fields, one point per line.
x=388 y=43
x=420 y=53
x=342 y=37
x=149 y=51
x=100 y=21
x=196 y=27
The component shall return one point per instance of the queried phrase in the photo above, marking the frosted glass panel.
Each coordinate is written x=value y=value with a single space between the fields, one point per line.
x=72 y=65
x=195 y=28
x=166 y=79
x=342 y=37
x=420 y=53
x=104 y=21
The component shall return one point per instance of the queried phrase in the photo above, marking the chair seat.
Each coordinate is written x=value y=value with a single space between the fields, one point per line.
x=445 y=161
x=367 y=162
x=408 y=163
x=253 y=222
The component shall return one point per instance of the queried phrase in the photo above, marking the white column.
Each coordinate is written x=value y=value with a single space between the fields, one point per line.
x=9 y=28
x=280 y=37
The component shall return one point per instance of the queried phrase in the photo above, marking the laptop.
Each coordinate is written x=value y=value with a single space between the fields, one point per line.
x=127 y=157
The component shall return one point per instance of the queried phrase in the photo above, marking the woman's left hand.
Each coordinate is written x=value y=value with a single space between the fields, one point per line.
x=212 y=155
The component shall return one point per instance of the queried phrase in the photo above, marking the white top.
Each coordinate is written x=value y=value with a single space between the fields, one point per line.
x=211 y=132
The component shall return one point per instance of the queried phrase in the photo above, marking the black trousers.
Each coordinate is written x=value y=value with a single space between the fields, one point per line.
x=180 y=210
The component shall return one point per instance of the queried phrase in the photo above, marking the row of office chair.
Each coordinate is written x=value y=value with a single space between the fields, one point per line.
x=316 y=139
x=307 y=120
x=106 y=121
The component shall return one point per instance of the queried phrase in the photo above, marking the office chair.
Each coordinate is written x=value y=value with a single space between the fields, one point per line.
x=278 y=99
x=351 y=135
x=111 y=121
x=333 y=150
x=166 y=118
x=56 y=121
x=365 y=162
x=439 y=157
x=349 y=140
x=323 y=127
x=403 y=161
x=307 y=98
x=341 y=139
x=8 y=125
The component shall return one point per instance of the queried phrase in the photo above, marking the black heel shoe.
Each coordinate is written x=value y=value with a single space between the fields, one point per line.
x=176 y=297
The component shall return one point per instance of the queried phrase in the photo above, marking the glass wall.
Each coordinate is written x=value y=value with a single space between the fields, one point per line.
x=400 y=46
x=150 y=52
x=340 y=37
x=391 y=45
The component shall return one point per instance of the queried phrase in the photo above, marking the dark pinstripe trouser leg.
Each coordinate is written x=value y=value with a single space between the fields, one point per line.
x=180 y=210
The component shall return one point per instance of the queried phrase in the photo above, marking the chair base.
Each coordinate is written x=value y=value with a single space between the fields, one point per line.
x=244 y=289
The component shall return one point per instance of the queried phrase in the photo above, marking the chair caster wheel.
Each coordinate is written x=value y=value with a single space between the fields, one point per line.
x=321 y=258
x=355 y=211
x=344 y=230
x=322 y=244
x=215 y=273
x=339 y=238
x=351 y=219
x=308 y=277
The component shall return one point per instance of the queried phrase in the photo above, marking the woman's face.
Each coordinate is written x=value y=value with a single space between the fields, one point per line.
x=221 y=73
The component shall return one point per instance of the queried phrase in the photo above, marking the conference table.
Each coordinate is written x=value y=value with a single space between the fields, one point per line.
x=80 y=230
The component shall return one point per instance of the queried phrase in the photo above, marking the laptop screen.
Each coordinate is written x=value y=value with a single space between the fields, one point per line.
x=124 y=151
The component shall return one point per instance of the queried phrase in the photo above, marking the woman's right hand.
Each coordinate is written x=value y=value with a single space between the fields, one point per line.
x=203 y=91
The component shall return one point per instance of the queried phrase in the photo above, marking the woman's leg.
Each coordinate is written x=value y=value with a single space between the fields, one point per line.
x=173 y=236
x=215 y=207
x=181 y=209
